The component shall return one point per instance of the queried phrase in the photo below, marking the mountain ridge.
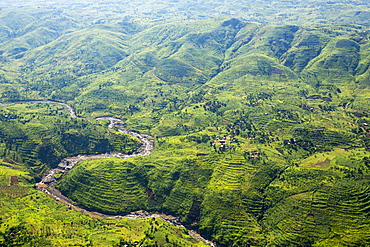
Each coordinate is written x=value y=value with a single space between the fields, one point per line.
x=261 y=130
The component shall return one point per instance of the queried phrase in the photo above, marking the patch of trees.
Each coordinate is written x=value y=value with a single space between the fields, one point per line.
x=213 y=106
x=198 y=138
x=324 y=140
x=57 y=139
x=255 y=99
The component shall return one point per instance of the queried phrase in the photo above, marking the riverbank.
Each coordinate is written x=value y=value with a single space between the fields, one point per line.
x=52 y=176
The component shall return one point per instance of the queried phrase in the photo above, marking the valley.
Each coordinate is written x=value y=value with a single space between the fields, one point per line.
x=245 y=121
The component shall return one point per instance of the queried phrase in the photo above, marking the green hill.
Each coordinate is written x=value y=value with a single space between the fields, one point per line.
x=40 y=136
x=36 y=136
x=283 y=91
x=261 y=129
x=125 y=186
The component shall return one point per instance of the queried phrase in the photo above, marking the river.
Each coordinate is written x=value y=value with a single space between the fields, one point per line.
x=48 y=180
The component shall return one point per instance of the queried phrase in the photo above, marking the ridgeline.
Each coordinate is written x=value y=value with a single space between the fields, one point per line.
x=260 y=123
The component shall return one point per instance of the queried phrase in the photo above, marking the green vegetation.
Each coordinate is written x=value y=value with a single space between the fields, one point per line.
x=125 y=186
x=36 y=220
x=31 y=218
x=40 y=135
x=261 y=124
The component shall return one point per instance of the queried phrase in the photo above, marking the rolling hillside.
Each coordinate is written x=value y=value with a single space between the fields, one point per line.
x=261 y=124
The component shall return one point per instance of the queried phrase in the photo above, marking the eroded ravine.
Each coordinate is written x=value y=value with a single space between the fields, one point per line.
x=48 y=180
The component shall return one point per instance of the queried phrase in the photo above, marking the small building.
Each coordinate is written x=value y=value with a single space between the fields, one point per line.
x=14 y=180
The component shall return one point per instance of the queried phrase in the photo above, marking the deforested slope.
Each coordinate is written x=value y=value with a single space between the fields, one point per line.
x=261 y=131
x=109 y=186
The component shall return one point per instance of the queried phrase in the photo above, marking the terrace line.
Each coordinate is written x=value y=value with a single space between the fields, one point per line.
x=48 y=181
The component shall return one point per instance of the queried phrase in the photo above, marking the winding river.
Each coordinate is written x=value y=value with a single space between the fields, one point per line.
x=48 y=180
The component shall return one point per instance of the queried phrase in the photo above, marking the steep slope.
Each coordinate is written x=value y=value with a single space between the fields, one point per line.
x=193 y=57
x=42 y=140
x=306 y=46
x=118 y=186
x=16 y=20
x=80 y=52
x=261 y=131
x=338 y=60
x=323 y=193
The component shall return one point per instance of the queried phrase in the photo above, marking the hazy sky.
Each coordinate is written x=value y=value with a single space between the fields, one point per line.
x=263 y=11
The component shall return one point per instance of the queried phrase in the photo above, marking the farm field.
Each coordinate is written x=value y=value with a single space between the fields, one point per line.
x=259 y=113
